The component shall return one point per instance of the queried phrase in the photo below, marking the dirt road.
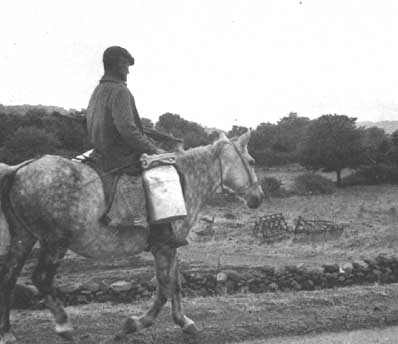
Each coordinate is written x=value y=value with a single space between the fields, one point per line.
x=230 y=319
x=387 y=335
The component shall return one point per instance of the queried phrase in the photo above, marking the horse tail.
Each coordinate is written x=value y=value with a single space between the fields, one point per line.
x=7 y=173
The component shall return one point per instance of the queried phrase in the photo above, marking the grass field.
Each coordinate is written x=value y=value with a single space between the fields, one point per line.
x=369 y=211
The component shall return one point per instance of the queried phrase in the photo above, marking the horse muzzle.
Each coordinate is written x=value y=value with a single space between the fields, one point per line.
x=254 y=196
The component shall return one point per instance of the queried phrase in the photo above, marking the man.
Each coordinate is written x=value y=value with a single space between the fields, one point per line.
x=115 y=129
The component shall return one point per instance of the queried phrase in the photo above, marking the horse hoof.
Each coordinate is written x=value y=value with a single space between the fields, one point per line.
x=131 y=325
x=65 y=331
x=67 y=335
x=190 y=329
x=8 y=338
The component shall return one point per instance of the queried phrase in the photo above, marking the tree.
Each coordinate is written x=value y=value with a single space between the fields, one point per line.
x=146 y=122
x=27 y=143
x=236 y=131
x=331 y=142
x=374 y=143
x=192 y=133
x=394 y=138
x=290 y=130
x=263 y=137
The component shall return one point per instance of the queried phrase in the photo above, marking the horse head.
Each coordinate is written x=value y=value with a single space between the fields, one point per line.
x=237 y=169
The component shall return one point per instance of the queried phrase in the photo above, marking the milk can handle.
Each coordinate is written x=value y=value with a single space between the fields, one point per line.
x=150 y=161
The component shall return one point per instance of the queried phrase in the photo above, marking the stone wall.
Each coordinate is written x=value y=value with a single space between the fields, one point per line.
x=382 y=269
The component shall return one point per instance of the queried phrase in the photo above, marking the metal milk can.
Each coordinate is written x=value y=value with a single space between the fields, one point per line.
x=164 y=195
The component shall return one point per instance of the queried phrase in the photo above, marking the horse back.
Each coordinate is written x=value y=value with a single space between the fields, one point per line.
x=54 y=188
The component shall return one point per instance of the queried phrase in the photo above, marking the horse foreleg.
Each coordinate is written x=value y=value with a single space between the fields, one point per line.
x=20 y=247
x=169 y=286
x=51 y=254
x=163 y=261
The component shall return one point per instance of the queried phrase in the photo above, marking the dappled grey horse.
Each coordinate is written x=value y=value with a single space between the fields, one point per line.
x=58 y=202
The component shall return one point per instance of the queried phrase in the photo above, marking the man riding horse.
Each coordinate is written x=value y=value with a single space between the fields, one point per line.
x=116 y=132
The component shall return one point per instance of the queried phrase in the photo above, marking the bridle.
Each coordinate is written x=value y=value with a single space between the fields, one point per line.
x=223 y=187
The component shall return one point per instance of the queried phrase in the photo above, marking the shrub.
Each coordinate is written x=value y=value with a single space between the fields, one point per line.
x=270 y=184
x=380 y=173
x=27 y=143
x=313 y=184
x=273 y=187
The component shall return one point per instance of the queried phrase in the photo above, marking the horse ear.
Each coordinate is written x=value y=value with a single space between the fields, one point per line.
x=222 y=136
x=180 y=147
x=244 y=139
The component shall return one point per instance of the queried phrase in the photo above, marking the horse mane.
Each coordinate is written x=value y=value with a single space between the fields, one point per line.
x=191 y=155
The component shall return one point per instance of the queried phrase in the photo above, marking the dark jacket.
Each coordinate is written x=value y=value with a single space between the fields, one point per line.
x=114 y=126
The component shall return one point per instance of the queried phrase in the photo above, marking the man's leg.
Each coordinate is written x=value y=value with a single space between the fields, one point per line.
x=164 y=234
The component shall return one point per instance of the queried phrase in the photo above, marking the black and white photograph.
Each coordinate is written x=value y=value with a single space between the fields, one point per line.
x=199 y=172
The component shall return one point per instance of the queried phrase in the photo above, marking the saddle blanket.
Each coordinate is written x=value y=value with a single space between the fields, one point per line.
x=128 y=207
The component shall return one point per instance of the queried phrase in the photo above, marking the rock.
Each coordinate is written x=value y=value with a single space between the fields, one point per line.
x=182 y=278
x=69 y=288
x=331 y=279
x=85 y=292
x=347 y=268
x=371 y=262
x=310 y=284
x=104 y=286
x=384 y=259
x=82 y=299
x=33 y=289
x=295 y=285
x=359 y=265
x=221 y=277
x=273 y=287
x=230 y=286
x=91 y=286
x=153 y=282
x=268 y=270
x=331 y=268
x=293 y=268
x=121 y=286
x=233 y=275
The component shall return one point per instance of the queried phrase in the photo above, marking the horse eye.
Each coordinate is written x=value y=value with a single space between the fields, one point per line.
x=252 y=162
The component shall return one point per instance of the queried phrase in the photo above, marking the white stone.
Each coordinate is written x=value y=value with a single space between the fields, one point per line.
x=120 y=286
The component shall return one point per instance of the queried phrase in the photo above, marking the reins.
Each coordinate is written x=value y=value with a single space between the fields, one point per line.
x=99 y=176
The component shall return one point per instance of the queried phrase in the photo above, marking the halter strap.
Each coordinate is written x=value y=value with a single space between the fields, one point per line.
x=252 y=184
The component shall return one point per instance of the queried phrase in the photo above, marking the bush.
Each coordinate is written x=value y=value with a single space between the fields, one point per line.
x=273 y=187
x=377 y=174
x=27 y=143
x=313 y=184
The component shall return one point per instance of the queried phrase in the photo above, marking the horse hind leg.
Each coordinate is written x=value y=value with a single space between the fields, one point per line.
x=21 y=245
x=51 y=254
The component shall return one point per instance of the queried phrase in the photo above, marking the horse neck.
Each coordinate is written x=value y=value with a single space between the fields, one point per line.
x=201 y=171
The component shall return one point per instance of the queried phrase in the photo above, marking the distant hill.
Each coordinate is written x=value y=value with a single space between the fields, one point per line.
x=388 y=126
x=23 y=109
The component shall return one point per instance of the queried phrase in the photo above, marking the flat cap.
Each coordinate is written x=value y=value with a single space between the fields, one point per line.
x=111 y=55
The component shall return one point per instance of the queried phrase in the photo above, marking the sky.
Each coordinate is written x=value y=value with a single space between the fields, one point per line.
x=215 y=62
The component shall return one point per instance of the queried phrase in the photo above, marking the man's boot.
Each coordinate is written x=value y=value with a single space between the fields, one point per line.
x=163 y=234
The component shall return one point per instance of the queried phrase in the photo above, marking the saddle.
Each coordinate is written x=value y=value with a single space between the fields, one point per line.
x=125 y=203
